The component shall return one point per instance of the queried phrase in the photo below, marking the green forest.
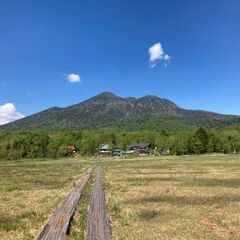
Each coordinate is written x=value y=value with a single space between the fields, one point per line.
x=18 y=145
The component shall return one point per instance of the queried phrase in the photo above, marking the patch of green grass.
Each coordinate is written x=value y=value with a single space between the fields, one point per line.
x=148 y=214
x=114 y=208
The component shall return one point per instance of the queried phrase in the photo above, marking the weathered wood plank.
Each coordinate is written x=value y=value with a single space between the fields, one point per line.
x=58 y=223
x=98 y=227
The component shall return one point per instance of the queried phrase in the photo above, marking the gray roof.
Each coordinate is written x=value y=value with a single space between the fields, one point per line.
x=140 y=145
x=105 y=146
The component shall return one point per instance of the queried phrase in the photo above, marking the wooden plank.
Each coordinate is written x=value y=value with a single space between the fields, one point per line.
x=98 y=227
x=58 y=224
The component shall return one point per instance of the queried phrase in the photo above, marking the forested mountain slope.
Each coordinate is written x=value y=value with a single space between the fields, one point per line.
x=108 y=111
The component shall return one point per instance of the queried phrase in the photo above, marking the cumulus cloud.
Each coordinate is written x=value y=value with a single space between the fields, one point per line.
x=8 y=113
x=73 y=77
x=157 y=54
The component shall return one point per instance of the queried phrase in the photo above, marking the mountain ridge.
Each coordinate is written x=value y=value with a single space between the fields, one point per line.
x=109 y=111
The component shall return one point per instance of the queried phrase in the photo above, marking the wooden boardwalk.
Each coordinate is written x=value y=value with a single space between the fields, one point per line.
x=98 y=227
x=58 y=224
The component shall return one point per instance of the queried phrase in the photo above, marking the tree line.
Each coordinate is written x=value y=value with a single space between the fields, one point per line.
x=18 y=145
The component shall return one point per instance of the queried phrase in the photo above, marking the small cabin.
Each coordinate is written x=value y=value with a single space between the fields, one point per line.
x=117 y=152
x=141 y=148
x=105 y=150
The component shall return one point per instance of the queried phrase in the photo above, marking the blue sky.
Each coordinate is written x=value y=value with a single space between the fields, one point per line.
x=106 y=44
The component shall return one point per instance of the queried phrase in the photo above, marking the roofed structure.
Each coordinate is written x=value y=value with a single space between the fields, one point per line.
x=141 y=148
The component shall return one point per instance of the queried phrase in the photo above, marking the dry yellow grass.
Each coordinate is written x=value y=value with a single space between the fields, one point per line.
x=30 y=191
x=191 y=197
x=195 y=197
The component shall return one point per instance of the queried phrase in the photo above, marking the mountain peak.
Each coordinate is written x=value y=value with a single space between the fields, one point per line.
x=151 y=97
x=106 y=95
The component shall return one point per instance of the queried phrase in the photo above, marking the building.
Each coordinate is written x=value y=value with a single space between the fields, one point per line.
x=141 y=148
x=105 y=150
x=117 y=152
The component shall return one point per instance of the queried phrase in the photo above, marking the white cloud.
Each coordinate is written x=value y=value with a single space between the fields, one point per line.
x=156 y=53
x=73 y=77
x=8 y=113
x=166 y=57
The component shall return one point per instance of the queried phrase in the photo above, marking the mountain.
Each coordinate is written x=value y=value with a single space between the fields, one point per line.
x=108 y=111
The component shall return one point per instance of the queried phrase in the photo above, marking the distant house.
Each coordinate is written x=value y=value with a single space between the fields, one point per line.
x=105 y=150
x=117 y=152
x=141 y=148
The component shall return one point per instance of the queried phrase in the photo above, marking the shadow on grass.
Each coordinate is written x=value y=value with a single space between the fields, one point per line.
x=213 y=182
x=146 y=181
x=153 y=179
x=184 y=200
x=169 y=172
x=154 y=215
x=147 y=214
x=188 y=181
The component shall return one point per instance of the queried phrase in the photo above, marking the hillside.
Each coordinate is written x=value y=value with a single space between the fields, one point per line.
x=108 y=111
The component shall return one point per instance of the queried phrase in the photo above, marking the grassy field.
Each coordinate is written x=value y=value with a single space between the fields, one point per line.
x=188 y=197
x=30 y=190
